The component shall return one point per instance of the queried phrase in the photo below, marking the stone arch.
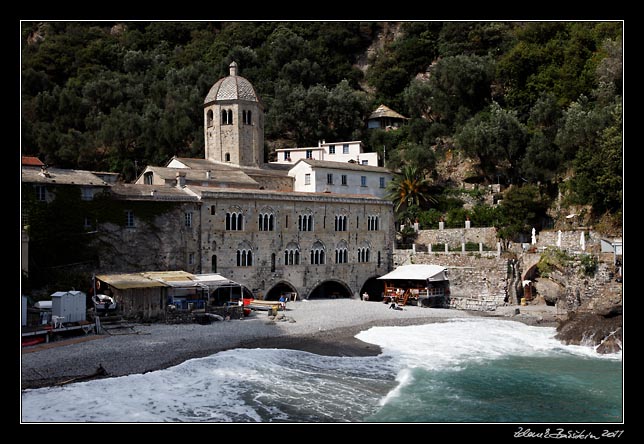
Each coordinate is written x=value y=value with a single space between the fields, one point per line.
x=373 y=287
x=330 y=289
x=274 y=293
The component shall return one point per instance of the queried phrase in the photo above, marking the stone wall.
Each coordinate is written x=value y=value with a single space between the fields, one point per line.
x=167 y=243
x=477 y=282
x=570 y=240
x=164 y=243
x=219 y=246
x=454 y=237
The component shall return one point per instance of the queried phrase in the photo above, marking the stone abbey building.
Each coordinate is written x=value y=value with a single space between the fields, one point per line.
x=233 y=214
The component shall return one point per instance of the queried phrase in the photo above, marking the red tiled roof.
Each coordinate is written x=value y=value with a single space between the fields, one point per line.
x=31 y=161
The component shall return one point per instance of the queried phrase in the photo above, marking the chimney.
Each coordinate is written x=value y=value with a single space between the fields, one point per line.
x=181 y=179
x=233 y=68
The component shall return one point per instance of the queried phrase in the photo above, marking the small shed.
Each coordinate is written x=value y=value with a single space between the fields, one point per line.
x=425 y=284
x=385 y=118
x=70 y=306
x=136 y=294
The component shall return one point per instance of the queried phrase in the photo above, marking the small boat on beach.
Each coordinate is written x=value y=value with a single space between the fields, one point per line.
x=104 y=303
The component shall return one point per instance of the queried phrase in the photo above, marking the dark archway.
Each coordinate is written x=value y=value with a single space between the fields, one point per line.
x=227 y=293
x=330 y=290
x=276 y=291
x=374 y=288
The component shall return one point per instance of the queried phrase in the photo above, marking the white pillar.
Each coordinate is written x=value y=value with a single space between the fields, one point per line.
x=441 y=225
x=467 y=224
x=413 y=248
x=446 y=248
x=463 y=247
x=498 y=248
x=480 y=247
x=429 y=247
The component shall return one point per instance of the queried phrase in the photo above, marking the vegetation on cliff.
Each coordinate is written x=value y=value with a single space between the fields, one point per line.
x=535 y=105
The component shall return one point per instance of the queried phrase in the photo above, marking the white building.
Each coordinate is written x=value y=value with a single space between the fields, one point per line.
x=334 y=152
x=323 y=176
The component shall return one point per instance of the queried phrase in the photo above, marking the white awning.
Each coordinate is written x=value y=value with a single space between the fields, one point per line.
x=417 y=272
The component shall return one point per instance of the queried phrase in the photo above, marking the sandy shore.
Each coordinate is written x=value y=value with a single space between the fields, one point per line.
x=326 y=327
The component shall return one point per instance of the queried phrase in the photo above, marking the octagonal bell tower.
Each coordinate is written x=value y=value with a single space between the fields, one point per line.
x=234 y=122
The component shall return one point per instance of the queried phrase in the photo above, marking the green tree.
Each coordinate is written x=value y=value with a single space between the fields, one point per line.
x=521 y=209
x=497 y=139
x=408 y=188
x=460 y=87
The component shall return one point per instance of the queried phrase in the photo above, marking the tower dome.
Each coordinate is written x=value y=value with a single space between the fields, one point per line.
x=234 y=122
x=233 y=87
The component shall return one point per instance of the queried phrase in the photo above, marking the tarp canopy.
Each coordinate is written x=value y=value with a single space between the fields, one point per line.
x=417 y=272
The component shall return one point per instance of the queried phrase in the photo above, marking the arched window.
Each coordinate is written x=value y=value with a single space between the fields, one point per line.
x=363 y=254
x=234 y=221
x=213 y=263
x=209 y=117
x=341 y=223
x=341 y=252
x=246 y=117
x=379 y=260
x=266 y=220
x=292 y=254
x=227 y=157
x=272 y=262
x=305 y=222
x=212 y=210
x=224 y=117
x=230 y=117
x=317 y=253
x=373 y=223
x=244 y=255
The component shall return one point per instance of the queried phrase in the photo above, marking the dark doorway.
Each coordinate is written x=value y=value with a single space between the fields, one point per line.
x=225 y=294
x=277 y=291
x=374 y=288
x=330 y=290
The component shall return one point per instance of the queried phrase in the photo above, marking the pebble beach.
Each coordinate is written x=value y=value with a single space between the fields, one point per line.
x=325 y=327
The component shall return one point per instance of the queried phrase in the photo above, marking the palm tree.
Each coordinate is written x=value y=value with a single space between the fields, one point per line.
x=408 y=188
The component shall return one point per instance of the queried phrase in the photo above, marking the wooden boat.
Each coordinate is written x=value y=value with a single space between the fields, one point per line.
x=104 y=303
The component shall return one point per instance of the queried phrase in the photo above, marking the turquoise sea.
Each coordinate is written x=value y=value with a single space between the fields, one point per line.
x=463 y=371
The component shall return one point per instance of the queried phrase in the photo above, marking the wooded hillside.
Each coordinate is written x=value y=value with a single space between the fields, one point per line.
x=537 y=104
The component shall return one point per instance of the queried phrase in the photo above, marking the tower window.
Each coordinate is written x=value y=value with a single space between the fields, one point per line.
x=226 y=116
x=246 y=117
x=209 y=118
x=227 y=157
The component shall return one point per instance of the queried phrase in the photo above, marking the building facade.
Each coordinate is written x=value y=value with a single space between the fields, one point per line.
x=352 y=152
x=249 y=221
x=232 y=214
